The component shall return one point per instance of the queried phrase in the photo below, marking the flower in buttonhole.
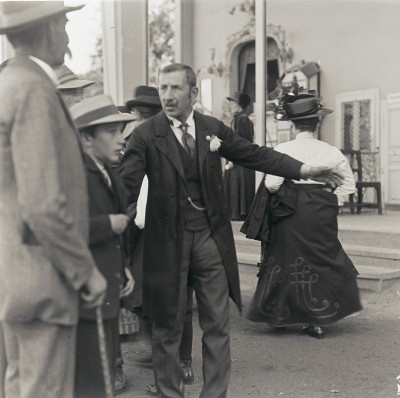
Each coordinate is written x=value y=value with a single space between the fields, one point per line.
x=215 y=143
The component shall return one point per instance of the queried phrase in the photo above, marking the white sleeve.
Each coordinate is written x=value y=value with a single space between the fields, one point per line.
x=141 y=204
x=272 y=182
x=349 y=185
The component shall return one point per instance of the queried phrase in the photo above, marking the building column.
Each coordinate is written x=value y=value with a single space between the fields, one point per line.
x=125 y=47
x=184 y=32
x=261 y=70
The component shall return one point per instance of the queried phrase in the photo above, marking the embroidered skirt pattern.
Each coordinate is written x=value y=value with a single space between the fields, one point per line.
x=305 y=275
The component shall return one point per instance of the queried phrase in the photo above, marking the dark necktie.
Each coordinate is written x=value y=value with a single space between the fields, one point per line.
x=187 y=140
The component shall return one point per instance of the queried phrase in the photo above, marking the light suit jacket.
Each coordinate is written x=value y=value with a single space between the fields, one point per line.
x=44 y=257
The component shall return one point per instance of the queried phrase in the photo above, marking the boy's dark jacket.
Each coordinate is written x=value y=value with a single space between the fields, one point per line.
x=107 y=248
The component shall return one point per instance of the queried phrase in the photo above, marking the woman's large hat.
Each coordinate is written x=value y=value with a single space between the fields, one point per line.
x=17 y=16
x=97 y=110
x=144 y=96
x=67 y=80
x=304 y=105
x=240 y=98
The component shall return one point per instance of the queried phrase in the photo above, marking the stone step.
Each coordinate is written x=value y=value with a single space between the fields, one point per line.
x=371 y=278
x=369 y=238
x=358 y=235
x=376 y=279
x=359 y=254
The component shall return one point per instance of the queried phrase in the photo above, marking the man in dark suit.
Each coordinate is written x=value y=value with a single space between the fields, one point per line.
x=45 y=263
x=188 y=233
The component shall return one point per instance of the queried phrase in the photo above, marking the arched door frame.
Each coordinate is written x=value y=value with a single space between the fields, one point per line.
x=235 y=44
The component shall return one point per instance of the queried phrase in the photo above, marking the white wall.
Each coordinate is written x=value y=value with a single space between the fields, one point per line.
x=356 y=42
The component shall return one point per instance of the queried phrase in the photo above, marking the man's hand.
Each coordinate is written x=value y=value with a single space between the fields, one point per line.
x=118 y=222
x=229 y=166
x=331 y=176
x=129 y=284
x=94 y=290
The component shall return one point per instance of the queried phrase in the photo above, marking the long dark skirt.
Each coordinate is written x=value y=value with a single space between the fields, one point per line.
x=306 y=276
x=239 y=185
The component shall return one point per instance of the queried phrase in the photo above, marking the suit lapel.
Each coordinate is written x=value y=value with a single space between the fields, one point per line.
x=92 y=168
x=166 y=142
x=117 y=189
x=203 y=146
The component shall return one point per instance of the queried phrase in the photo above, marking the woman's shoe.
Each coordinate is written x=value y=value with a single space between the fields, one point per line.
x=187 y=372
x=314 y=331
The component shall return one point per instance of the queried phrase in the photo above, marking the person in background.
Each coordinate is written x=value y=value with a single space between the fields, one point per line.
x=72 y=88
x=306 y=276
x=100 y=126
x=239 y=182
x=45 y=262
x=188 y=234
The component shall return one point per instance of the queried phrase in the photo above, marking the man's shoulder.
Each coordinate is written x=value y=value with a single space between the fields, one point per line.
x=207 y=119
x=17 y=77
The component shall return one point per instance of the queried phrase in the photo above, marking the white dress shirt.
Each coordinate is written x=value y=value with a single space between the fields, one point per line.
x=314 y=152
x=178 y=131
x=142 y=203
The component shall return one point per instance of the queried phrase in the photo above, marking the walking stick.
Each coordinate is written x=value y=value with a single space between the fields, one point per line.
x=103 y=353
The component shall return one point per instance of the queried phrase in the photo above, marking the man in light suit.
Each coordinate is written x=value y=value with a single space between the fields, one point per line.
x=45 y=263
x=188 y=232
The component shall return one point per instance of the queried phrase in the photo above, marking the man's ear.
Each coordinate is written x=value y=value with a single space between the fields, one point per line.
x=86 y=139
x=194 y=92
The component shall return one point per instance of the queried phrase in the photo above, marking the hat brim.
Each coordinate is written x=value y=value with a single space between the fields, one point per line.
x=75 y=84
x=321 y=112
x=141 y=101
x=116 y=118
x=29 y=21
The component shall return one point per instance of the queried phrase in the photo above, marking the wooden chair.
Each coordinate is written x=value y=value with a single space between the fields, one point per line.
x=355 y=160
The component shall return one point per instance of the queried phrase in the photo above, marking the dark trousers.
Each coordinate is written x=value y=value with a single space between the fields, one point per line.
x=185 y=348
x=201 y=260
x=89 y=380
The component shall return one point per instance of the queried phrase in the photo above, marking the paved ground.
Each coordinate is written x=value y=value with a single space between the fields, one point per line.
x=358 y=358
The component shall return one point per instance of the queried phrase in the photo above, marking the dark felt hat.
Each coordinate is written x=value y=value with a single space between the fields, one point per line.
x=144 y=96
x=17 y=16
x=301 y=106
x=240 y=98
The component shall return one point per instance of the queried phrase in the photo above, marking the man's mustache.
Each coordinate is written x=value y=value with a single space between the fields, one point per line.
x=171 y=103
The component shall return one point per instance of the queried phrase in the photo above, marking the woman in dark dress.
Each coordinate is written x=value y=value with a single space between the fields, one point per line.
x=305 y=276
x=239 y=182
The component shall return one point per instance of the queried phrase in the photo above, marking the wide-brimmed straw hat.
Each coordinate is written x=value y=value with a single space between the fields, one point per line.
x=16 y=16
x=97 y=110
x=300 y=106
x=240 y=98
x=68 y=80
x=144 y=96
